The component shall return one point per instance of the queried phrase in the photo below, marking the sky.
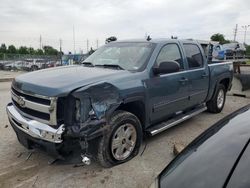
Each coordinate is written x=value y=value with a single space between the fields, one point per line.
x=22 y=22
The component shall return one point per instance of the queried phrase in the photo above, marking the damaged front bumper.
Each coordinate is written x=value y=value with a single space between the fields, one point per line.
x=34 y=128
x=56 y=142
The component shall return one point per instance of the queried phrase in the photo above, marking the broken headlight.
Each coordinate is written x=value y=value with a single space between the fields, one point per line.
x=78 y=111
x=83 y=109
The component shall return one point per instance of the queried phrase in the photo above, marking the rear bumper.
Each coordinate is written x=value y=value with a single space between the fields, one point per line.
x=34 y=128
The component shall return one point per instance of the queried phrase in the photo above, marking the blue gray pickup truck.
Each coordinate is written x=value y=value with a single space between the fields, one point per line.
x=123 y=91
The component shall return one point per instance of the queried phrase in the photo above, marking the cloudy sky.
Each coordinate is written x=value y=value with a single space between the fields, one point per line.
x=23 y=21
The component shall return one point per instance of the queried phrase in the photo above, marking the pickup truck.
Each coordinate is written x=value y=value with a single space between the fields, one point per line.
x=122 y=92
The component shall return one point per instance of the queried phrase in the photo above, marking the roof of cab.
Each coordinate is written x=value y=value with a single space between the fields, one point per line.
x=158 y=40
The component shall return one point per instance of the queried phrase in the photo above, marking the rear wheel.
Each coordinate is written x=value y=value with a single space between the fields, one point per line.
x=216 y=104
x=34 y=68
x=123 y=141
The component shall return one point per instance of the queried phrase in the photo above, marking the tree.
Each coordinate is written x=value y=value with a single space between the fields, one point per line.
x=38 y=52
x=219 y=38
x=110 y=39
x=3 y=48
x=12 y=49
x=48 y=50
x=23 y=50
x=31 y=51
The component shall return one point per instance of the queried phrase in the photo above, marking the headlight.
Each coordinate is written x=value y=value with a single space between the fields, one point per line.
x=78 y=111
x=83 y=110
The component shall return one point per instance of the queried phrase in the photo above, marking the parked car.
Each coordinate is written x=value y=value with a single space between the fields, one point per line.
x=219 y=157
x=222 y=52
x=13 y=65
x=238 y=49
x=34 y=64
x=122 y=91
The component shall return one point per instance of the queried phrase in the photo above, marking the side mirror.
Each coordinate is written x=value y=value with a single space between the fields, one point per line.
x=166 y=67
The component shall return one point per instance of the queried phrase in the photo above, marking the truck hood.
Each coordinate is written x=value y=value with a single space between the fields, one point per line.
x=62 y=80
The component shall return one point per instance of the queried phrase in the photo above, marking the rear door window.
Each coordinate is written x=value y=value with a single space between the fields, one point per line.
x=194 y=56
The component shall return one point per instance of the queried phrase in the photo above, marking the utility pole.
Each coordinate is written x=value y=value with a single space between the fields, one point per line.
x=235 y=32
x=60 y=41
x=40 y=42
x=245 y=32
x=87 y=45
x=74 y=40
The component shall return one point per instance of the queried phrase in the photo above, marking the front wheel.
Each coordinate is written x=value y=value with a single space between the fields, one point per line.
x=123 y=141
x=216 y=104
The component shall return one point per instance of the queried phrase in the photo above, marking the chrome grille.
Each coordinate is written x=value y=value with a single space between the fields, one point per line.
x=32 y=106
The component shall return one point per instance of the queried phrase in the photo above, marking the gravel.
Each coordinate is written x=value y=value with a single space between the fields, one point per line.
x=17 y=171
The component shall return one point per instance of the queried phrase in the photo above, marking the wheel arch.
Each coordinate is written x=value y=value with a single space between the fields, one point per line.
x=136 y=107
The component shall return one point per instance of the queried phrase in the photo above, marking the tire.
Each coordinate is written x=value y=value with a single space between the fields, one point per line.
x=216 y=104
x=120 y=122
x=34 y=68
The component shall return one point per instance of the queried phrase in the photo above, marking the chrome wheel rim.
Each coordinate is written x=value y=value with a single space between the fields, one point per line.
x=123 y=141
x=220 y=98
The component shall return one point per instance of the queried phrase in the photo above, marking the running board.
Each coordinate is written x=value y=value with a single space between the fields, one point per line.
x=172 y=122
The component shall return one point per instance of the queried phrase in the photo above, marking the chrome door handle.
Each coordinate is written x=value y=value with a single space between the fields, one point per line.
x=183 y=80
x=204 y=75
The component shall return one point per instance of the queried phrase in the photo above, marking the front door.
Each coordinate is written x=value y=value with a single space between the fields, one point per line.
x=168 y=93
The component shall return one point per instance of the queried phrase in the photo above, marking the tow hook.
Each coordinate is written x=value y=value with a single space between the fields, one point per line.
x=86 y=160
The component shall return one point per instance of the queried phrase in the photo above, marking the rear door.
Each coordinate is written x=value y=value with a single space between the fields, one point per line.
x=198 y=73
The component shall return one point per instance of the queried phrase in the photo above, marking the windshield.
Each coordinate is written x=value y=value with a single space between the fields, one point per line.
x=130 y=56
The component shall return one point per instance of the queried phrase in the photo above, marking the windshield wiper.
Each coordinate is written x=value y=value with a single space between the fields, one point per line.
x=89 y=64
x=111 y=66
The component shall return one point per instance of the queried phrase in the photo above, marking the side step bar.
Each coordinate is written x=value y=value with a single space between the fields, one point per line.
x=172 y=122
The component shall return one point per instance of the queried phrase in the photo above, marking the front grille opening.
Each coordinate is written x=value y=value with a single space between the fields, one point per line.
x=31 y=98
x=60 y=110
x=31 y=112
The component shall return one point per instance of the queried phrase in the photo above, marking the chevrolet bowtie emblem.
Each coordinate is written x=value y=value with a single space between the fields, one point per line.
x=21 y=102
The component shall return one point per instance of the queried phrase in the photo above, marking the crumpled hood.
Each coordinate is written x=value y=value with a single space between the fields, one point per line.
x=62 y=80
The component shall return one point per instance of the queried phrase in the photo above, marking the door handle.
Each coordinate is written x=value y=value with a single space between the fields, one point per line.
x=204 y=75
x=182 y=80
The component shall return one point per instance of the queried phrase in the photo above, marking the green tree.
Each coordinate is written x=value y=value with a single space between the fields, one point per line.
x=3 y=48
x=12 y=49
x=39 y=52
x=31 y=51
x=48 y=50
x=23 y=50
x=219 y=38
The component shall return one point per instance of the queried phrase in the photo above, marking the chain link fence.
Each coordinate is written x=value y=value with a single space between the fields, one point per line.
x=25 y=62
